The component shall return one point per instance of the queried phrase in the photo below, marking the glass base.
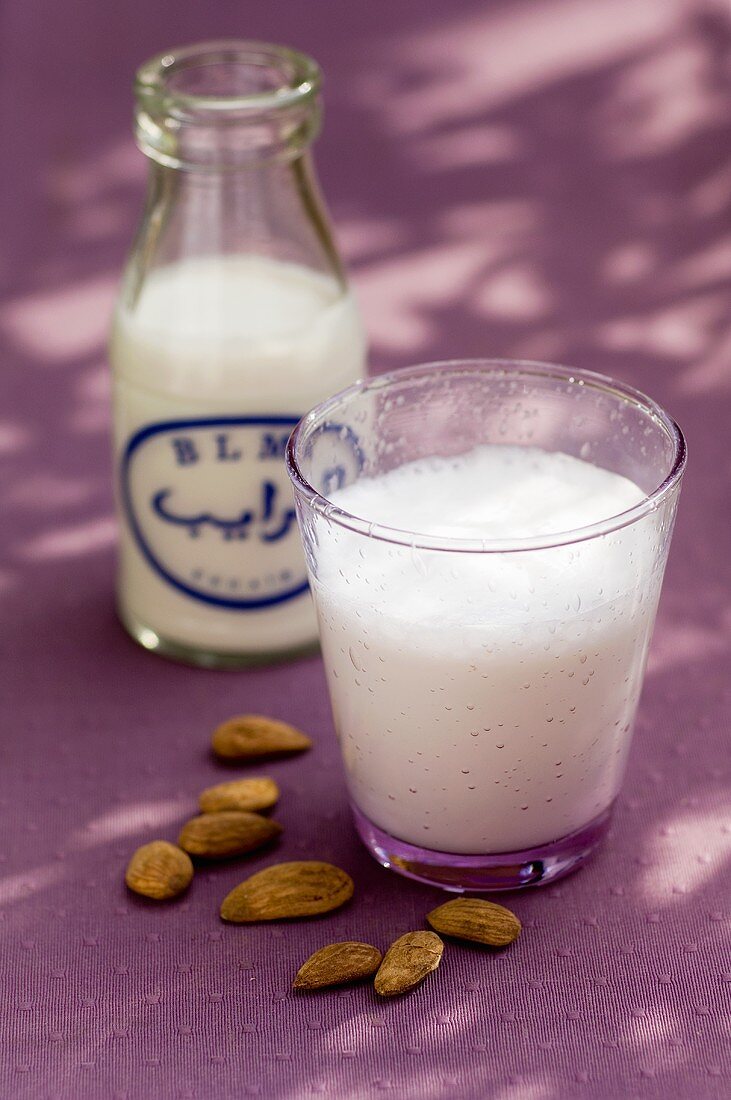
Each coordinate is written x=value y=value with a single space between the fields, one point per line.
x=205 y=658
x=502 y=871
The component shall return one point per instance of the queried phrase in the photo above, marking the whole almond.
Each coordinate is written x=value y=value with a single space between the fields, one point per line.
x=159 y=870
x=260 y=793
x=230 y=833
x=304 y=888
x=476 y=920
x=407 y=962
x=252 y=735
x=337 y=964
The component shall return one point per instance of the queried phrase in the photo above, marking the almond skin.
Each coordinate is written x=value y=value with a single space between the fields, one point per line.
x=407 y=962
x=476 y=920
x=230 y=833
x=337 y=964
x=260 y=793
x=159 y=870
x=251 y=736
x=304 y=888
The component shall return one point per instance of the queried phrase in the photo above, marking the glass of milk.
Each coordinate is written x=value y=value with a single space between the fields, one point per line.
x=486 y=543
x=234 y=317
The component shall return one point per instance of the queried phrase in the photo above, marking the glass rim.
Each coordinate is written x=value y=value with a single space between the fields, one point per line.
x=151 y=78
x=419 y=541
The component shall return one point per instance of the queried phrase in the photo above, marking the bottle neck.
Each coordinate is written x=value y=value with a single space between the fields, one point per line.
x=272 y=210
x=227 y=128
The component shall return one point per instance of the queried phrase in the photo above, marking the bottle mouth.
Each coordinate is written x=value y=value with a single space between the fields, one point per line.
x=226 y=87
x=228 y=76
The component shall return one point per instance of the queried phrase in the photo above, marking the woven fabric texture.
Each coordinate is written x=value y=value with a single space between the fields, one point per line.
x=546 y=180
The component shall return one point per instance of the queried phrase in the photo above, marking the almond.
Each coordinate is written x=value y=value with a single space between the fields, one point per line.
x=407 y=962
x=337 y=964
x=230 y=833
x=159 y=870
x=476 y=920
x=304 y=888
x=259 y=793
x=252 y=735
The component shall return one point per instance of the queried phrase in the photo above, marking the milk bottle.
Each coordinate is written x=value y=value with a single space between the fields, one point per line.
x=234 y=318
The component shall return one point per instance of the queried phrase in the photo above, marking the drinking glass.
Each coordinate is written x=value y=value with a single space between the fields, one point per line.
x=484 y=689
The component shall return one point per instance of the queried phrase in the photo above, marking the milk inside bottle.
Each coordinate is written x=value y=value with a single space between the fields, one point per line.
x=234 y=318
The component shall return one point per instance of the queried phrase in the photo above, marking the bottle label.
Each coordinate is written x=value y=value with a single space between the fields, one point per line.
x=209 y=506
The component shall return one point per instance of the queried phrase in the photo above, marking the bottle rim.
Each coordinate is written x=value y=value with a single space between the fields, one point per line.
x=301 y=78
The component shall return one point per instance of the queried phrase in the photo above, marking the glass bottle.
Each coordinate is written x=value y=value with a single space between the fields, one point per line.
x=234 y=318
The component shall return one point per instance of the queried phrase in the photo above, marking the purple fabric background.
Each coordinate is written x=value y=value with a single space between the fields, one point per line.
x=548 y=179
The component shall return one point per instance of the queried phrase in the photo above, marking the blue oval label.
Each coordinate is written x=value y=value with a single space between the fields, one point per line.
x=210 y=508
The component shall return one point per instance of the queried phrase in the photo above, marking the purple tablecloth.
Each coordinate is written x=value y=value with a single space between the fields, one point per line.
x=547 y=179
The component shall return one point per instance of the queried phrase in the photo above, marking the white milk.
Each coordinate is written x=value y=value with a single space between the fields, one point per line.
x=213 y=367
x=484 y=702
